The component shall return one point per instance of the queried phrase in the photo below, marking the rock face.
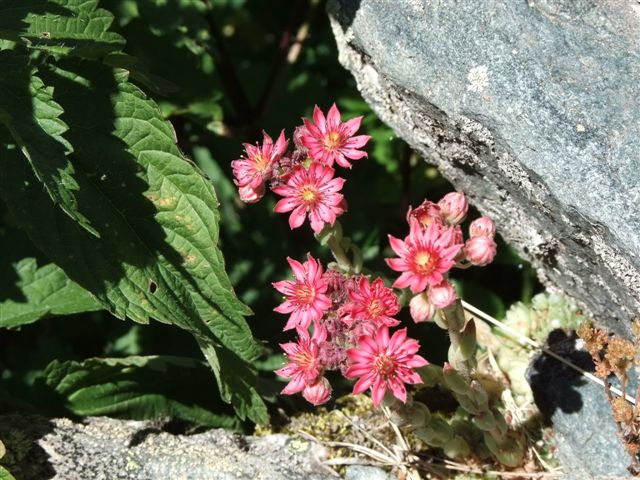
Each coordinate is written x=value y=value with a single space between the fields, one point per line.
x=108 y=449
x=532 y=108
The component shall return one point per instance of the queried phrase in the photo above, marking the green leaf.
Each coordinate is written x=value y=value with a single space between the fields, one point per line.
x=137 y=388
x=157 y=255
x=47 y=291
x=67 y=27
x=5 y=475
x=28 y=111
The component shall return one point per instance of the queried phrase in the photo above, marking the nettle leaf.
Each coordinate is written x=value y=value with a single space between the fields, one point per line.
x=66 y=27
x=135 y=387
x=28 y=111
x=156 y=214
x=46 y=291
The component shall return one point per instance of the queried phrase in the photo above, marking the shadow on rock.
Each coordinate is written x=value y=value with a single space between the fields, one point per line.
x=554 y=384
x=25 y=458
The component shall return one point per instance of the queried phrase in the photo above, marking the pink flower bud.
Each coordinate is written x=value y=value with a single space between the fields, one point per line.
x=480 y=251
x=442 y=295
x=482 y=227
x=427 y=213
x=453 y=207
x=318 y=393
x=421 y=309
x=251 y=195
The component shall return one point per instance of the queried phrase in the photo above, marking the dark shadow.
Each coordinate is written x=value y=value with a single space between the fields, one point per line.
x=25 y=459
x=554 y=384
x=344 y=11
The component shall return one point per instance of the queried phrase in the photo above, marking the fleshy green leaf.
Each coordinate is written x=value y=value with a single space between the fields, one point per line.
x=69 y=27
x=47 y=291
x=136 y=387
x=28 y=111
x=157 y=255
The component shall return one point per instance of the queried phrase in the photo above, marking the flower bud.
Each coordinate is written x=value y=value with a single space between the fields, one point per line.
x=453 y=207
x=480 y=251
x=251 y=195
x=442 y=295
x=421 y=309
x=318 y=393
x=482 y=227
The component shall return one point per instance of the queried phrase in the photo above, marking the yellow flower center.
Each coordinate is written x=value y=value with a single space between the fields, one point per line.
x=424 y=262
x=305 y=294
x=384 y=365
x=261 y=162
x=332 y=140
x=309 y=195
x=304 y=360
x=376 y=308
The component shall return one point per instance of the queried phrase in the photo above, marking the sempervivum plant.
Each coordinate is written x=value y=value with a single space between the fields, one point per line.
x=343 y=317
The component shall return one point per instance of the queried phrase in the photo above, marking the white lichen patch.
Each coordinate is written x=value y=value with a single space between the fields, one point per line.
x=478 y=78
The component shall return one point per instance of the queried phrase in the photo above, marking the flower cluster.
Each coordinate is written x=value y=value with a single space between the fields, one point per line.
x=434 y=245
x=349 y=316
x=304 y=177
x=342 y=317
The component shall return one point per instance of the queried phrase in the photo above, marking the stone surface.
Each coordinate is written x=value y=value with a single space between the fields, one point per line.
x=109 y=449
x=584 y=433
x=532 y=107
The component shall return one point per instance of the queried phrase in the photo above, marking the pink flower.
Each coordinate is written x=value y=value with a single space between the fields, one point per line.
x=313 y=191
x=306 y=297
x=426 y=213
x=482 y=227
x=442 y=295
x=421 y=309
x=454 y=207
x=383 y=363
x=318 y=393
x=303 y=366
x=425 y=255
x=330 y=140
x=375 y=302
x=480 y=251
x=257 y=165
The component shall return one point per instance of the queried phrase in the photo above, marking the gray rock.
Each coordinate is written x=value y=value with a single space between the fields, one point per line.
x=361 y=472
x=584 y=433
x=104 y=448
x=532 y=108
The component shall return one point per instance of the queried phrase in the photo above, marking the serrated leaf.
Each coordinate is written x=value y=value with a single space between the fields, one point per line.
x=28 y=111
x=157 y=255
x=138 y=388
x=47 y=291
x=67 y=27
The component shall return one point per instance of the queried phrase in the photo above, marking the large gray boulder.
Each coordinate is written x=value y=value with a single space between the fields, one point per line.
x=533 y=109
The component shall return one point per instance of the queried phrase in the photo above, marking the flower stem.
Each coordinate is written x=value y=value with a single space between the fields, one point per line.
x=339 y=254
x=454 y=315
